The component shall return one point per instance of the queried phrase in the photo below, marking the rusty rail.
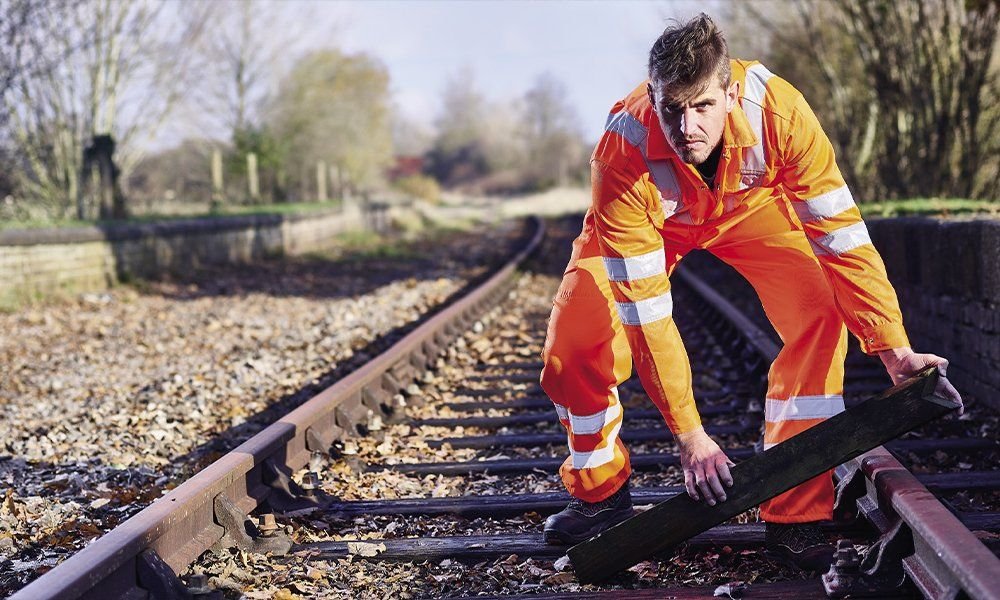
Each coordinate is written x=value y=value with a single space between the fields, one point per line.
x=173 y=531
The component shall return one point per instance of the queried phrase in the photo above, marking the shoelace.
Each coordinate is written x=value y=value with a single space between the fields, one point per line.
x=589 y=509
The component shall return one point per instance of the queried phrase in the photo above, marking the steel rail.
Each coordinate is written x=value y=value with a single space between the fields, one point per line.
x=181 y=525
x=947 y=558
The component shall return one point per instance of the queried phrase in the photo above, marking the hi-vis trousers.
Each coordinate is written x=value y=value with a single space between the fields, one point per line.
x=587 y=355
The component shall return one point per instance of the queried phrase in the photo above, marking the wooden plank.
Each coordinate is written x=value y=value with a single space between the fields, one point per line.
x=528 y=440
x=981 y=521
x=500 y=505
x=527 y=465
x=656 y=460
x=543 y=401
x=800 y=589
x=545 y=503
x=964 y=480
x=478 y=547
x=764 y=476
x=549 y=416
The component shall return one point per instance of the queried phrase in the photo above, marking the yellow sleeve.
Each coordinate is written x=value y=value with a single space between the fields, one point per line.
x=838 y=235
x=632 y=250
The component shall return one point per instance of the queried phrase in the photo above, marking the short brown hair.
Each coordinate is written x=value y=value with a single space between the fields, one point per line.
x=685 y=56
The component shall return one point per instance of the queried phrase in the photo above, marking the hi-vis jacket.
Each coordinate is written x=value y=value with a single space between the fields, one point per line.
x=774 y=150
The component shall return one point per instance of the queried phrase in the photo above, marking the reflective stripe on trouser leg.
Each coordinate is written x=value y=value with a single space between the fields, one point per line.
x=805 y=381
x=586 y=357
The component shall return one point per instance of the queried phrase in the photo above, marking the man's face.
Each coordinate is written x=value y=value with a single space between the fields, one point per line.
x=693 y=125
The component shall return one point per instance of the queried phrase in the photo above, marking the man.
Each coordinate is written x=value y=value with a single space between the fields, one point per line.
x=716 y=154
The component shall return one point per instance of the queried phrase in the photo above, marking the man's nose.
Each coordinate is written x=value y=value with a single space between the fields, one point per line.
x=689 y=121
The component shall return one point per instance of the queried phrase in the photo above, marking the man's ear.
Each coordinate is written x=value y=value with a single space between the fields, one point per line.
x=732 y=95
x=649 y=90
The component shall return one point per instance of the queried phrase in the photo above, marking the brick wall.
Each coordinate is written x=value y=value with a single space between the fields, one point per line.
x=947 y=275
x=51 y=261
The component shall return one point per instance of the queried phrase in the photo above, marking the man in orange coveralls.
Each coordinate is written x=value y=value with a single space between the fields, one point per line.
x=716 y=154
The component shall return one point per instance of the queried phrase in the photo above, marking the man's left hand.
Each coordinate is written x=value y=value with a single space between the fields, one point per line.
x=903 y=363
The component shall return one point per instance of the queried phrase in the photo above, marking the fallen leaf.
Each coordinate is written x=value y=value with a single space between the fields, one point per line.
x=733 y=590
x=559 y=579
x=366 y=549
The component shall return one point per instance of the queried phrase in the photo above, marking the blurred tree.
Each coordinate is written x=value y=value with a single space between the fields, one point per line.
x=25 y=28
x=554 y=144
x=334 y=107
x=904 y=89
x=123 y=67
x=477 y=144
x=928 y=64
x=458 y=153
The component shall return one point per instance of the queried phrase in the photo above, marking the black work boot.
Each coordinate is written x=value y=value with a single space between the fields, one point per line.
x=802 y=545
x=583 y=520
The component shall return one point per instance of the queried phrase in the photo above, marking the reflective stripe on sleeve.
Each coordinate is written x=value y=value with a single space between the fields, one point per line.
x=633 y=268
x=798 y=408
x=842 y=240
x=645 y=311
x=561 y=412
x=825 y=205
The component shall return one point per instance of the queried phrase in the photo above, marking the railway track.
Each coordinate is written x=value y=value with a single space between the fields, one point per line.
x=427 y=473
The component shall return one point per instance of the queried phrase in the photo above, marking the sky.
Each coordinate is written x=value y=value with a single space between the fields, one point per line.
x=597 y=49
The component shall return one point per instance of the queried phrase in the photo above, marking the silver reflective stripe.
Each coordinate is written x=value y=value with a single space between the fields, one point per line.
x=798 y=408
x=645 y=311
x=661 y=171
x=627 y=126
x=601 y=456
x=825 y=205
x=633 y=268
x=842 y=240
x=590 y=424
x=562 y=412
x=754 y=159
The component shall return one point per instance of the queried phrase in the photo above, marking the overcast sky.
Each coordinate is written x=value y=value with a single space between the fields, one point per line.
x=597 y=49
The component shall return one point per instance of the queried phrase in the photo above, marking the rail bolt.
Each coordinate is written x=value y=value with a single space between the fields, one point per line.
x=844 y=577
x=198 y=585
x=846 y=557
x=267 y=525
x=310 y=481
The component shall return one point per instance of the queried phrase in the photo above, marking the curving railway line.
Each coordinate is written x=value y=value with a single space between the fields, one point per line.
x=428 y=472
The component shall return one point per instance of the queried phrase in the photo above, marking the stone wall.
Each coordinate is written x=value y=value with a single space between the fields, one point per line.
x=41 y=262
x=947 y=275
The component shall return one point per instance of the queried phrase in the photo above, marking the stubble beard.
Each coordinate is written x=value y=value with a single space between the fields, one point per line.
x=694 y=157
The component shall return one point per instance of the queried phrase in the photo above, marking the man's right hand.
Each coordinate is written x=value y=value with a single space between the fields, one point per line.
x=705 y=466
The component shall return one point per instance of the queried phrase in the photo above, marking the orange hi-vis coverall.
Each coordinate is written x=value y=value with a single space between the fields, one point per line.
x=780 y=214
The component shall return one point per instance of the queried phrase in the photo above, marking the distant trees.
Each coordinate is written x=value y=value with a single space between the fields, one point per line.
x=531 y=144
x=116 y=69
x=333 y=108
x=554 y=146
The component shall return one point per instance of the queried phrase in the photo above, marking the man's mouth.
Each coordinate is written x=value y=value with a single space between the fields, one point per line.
x=688 y=144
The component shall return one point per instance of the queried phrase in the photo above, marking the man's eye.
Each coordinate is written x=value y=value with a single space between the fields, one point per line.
x=669 y=109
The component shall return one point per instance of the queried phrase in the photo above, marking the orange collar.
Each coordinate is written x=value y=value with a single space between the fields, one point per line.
x=736 y=134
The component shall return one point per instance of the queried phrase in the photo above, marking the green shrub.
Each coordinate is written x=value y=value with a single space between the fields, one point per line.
x=420 y=186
